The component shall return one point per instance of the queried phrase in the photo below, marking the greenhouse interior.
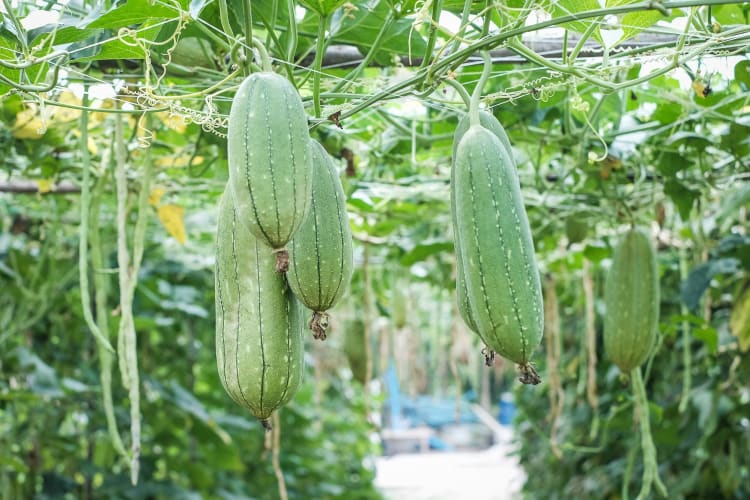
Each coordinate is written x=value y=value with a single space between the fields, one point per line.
x=534 y=282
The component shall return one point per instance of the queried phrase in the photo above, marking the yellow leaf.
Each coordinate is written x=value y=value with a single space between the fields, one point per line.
x=92 y=146
x=98 y=117
x=173 y=121
x=67 y=114
x=700 y=88
x=28 y=125
x=177 y=161
x=155 y=196
x=91 y=142
x=739 y=321
x=172 y=218
x=45 y=185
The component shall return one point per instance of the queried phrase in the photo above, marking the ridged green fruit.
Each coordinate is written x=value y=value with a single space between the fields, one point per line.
x=493 y=235
x=320 y=254
x=270 y=165
x=259 y=323
x=631 y=296
x=491 y=123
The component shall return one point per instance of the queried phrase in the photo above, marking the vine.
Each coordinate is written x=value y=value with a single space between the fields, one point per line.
x=650 y=464
x=129 y=266
x=553 y=344
x=591 y=394
x=83 y=235
x=101 y=288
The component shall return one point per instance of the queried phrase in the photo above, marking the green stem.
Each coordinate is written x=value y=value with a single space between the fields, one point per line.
x=21 y=33
x=683 y=38
x=650 y=464
x=48 y=102
x=465 y=13
x=34 y=88
x=128 y=279
x=32 y=61
x=248 y=17
x=224 y=19
x=265 y=59
x=320 y=44
x=291 y=47
x=687 y=359
x=625 y=493
x=487 y=19
x=83 y=271
x=289 y=68
x=270 y=32
x=209 y=32
x=584 y=38
x=461 y=91
x=532 y=56
x=427 y=139
x=100 y=299
x=437 y=8
x=475 y=97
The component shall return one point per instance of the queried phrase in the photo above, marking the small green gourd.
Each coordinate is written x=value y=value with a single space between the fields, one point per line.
x=320 y=254
x=631 y=297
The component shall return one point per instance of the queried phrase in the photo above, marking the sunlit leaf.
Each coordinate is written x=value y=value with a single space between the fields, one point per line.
x=172 y=218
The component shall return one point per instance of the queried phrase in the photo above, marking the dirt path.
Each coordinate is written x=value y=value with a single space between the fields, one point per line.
x=481 y=475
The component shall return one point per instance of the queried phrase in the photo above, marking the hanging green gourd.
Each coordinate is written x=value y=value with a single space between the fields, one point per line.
x=493 y=237
x=488 y=121
x=631 y=294
x=270 y=165
x=259 y=349
x=631 y=297
x=321 y=251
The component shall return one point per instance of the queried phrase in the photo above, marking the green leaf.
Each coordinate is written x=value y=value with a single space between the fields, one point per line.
x=709 y=336
x=700 y=277
x=596 y=251
x=729 y=14
x=322 y=7
x=361 y=26
x=634 y=22
x=666 y=112
x=7 y=53
x=682 y=196
x=698 y=141
x=739 y=322
x=134 y=12
x=62 y=36
x=670 y=163
x=567 y=7
x=118 y=49
x=742 y=73
x=656 y=412
x=422 y=252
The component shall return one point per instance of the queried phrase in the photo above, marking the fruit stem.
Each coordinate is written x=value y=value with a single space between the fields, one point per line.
x=475 y=97
x=324 y=22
